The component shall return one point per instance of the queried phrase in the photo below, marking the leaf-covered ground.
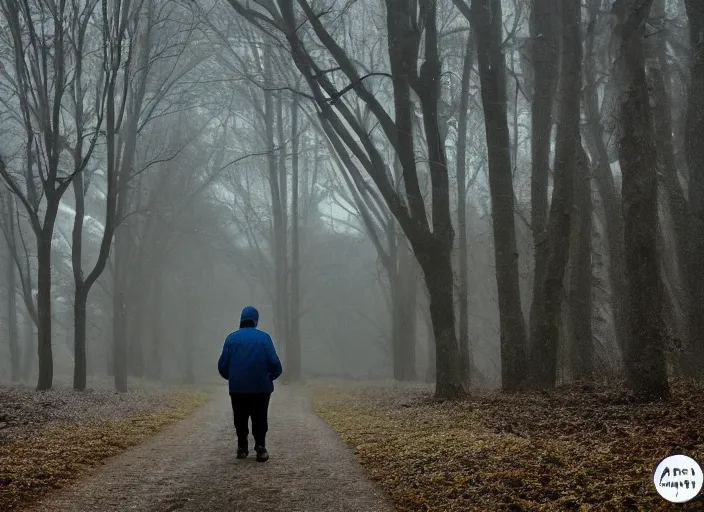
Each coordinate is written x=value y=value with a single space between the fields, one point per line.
x=574 y=449
x=49 y=438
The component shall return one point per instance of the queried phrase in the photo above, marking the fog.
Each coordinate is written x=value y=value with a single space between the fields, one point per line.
x=405 y=190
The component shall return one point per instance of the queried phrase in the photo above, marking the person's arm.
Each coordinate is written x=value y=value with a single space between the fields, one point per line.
x=224 y=361
x=273 y=359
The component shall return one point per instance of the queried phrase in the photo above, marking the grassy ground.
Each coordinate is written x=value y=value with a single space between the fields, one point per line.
x=574 y=449
x=50 y=438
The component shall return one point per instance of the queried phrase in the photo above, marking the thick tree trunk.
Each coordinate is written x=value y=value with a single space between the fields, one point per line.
x=645 y=359
x=46 y=360
x=487 y=25
x=440 y=282
x=695 y=161
x=465 y=351
x=545 y=54
x=581 y=345
x=80 y=293
x=679 y=264
x=79 y=340
x=545 y=313
x=437 y=260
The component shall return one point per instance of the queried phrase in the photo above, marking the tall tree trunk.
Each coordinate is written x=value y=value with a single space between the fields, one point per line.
x=12 y=328
x=437 y=260
x=79 y=347
x=545 y=313
x=645 y=360
x=487 y=25
x=465 y=358
x=604 y=179
x=581 y=345
x=680 y=262
x=695 y=161
x=293 y=353
x=46 y=359
x=545 y=47
x=80 y=298
x=276 y=202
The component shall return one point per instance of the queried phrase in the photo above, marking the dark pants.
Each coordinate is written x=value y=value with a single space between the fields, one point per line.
x=256 y=406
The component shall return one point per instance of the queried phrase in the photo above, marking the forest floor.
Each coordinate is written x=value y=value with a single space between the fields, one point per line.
x=50 y=438
x=191 y=467
x=573 y=449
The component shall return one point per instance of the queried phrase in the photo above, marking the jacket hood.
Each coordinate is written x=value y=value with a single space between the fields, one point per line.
x=249 y=313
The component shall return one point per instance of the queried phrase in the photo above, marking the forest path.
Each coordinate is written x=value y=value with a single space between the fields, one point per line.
x=192 y=467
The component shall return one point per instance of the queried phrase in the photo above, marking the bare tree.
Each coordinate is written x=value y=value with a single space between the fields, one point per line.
x=645 y=362
x=545 y=318
x=579 y=299
x=545 y=53
x=432 y=246
x=40 y=32
x=465 y=352
x=486 y=19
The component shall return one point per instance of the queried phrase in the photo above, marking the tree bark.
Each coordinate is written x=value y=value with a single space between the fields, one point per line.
x=678 y=264
x=645 y=361
x=581 y=343
x=46 y=359
x=545 y=313
x=545 y=54
x=436 y=258
x=79 y=347
x=487 y=25
x=465 y=350
x=11 y=283
x=694 y=144
x=604 y=179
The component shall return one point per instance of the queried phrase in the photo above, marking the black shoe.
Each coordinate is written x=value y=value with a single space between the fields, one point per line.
x=262 y=455
x=242 y=453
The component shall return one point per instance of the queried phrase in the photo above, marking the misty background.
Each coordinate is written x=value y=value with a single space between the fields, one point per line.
x=341 y=166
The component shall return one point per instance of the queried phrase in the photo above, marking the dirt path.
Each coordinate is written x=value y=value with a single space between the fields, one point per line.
x=192 y=467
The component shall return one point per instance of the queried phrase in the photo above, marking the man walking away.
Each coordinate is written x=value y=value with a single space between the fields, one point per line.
x=250 y=363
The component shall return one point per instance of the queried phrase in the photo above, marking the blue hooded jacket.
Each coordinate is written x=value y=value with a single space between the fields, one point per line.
x=249 y=360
